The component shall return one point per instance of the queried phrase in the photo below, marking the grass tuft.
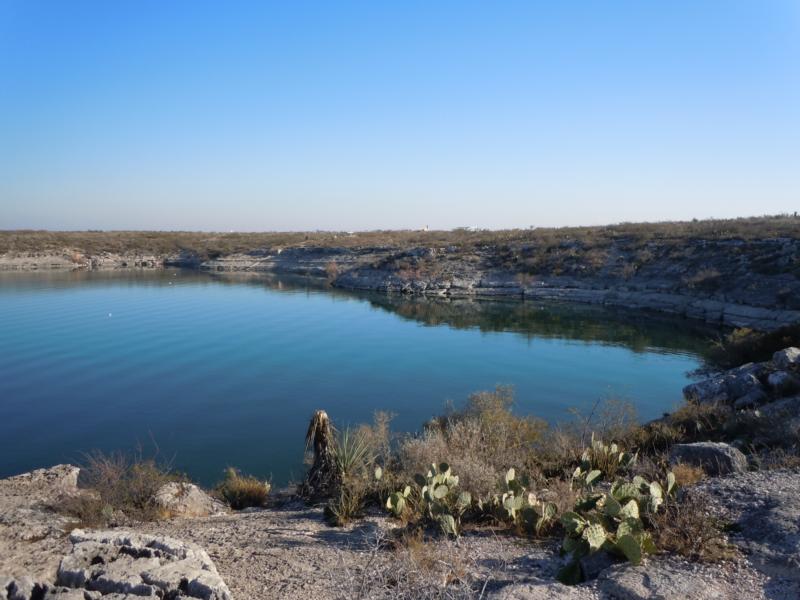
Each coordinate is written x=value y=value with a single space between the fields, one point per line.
x=243 y=491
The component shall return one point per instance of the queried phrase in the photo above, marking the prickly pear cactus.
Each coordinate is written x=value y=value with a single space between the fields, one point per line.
x=613 y=522
x=439 y=498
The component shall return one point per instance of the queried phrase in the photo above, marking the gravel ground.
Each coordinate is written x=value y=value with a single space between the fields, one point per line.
x=287 y=551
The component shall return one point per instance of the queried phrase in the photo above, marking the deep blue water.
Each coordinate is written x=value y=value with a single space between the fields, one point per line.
x=226 y=371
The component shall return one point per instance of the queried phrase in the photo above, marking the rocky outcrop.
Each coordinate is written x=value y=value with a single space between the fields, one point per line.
x=124 y=562
x=765 y=505
x=751 y=385
x=181 y=499
x=32 y=533
x=731 y=282
x=715 y=458
x=119 y=564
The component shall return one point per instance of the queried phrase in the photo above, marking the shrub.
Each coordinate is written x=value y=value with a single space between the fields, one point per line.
x=346 y=504
x=331 y=270
x=480 y=442
x=119 y=486
x=243 y=491
x=687 y=528
x=745 y=345
x=461 y=446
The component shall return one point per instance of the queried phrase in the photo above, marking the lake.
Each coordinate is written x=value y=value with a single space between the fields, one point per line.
x=220 y=371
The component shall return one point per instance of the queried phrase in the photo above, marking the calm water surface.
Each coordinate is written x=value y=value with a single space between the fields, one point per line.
x=226 y=370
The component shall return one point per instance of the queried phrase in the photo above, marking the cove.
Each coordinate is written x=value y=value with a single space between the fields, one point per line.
x=224 y=370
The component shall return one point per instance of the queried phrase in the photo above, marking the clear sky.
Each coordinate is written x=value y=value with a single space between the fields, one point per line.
x=332 y=115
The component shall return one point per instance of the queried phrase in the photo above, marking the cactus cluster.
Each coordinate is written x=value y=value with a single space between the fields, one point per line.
x=601 y=460
x=520 y=507
x=612 y=522
x=437 y=497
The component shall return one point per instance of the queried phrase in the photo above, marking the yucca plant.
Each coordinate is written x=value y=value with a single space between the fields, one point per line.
x=322 y=477
x=352 y=454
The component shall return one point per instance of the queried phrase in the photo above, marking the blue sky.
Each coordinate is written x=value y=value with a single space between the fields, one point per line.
x=364 y=115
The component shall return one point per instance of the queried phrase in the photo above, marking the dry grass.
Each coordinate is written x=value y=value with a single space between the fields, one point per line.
x=347 y=503
x=686 y=527
x=687 y=475
x=119 y=487
x=480 y=442
x=243 y=491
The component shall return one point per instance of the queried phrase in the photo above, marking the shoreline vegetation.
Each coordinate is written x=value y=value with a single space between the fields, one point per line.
x=735 y=273
x=611 y=489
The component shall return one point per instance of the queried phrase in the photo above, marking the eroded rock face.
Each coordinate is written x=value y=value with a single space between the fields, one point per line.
x=187 y=500
x=715 y=458
x=124 y=562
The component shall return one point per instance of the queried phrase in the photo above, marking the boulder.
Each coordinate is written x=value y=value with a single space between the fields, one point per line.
x=57 y=478
x=186 y=500
x=124 y=562
x=20 y=589
x=786 y=358
x=741 y=384
x=751 y=399
x=707 y=391
x=727 y=387
x=715 y=458
x=783 y=382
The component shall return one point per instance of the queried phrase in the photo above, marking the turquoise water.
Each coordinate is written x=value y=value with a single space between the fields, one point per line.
x=221 y=371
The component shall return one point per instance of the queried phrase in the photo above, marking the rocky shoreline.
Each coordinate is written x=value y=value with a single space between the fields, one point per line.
x=287 y=551
x=731 y=283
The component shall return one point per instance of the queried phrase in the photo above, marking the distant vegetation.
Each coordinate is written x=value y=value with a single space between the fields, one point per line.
x=209 y=245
